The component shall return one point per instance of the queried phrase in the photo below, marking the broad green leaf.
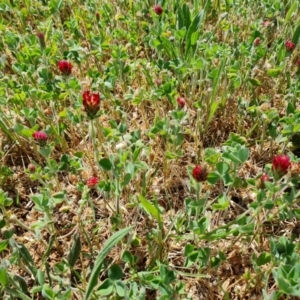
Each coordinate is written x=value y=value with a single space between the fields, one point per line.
x=243 y=154
x=169 y=48
x=3 y=245
x=108 y=245
x=17 y=294
x=106 y=287
x=150 y=208
x=222 y=168
x=3 y=276
x=254 y=82
x=292 y=9
x=48 y=292
x=274 y=72
x=263 y=258
x=296 y=35
x=75 y=250
x=115 y=272
x=105 y=164
x=194 y=27
x=22 y=283
x=120 y=288
x=213 y=177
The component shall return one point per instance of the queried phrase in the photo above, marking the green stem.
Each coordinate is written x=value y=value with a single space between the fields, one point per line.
x=93 y=137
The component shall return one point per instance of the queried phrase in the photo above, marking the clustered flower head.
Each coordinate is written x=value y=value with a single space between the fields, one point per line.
x=289 y=45
x=92 y=182
x=257 y=41
x=97 y=16
x=41 y=137
x=31 y=168
x=281 y=164
x=261 y=182
x=65 y=67
x=91 y=103
x=158 y=9
x=200 y=173
x=181 y=102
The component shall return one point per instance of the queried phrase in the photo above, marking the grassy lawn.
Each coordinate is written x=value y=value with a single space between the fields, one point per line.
x=149 y=150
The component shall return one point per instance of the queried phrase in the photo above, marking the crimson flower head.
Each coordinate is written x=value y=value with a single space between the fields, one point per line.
x=41 y=137
x=181 y=102
x=92 y=182
x=158 y=9
x=91 y=103
x=289 y=45
x=257 y=41
x=261 y=182
x=200 y=173
x=65 y=67
x=264 y=177
x=97 y=16
x=281 y=163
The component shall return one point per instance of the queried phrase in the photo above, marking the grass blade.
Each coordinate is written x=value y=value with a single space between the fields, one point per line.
x=150 y=208
x=108 y=245
x=75 y=250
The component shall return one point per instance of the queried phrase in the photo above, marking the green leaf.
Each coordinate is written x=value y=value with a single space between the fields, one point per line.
x=58 y=197
x=194 y=27
x=108 y=245
x=274 y=72
x=75 y=250
x=222 y=204
x=150 y=208
x=254 y=82
x=120 y=288
x=169 y=48
x=188 y=249
x=127 y=179
x=105 y=164
x=3 y=245
x=243 y=155
x=47 y=292
x=263 y=258
x=296 y=35
x=27 y=258
x=213 y=177
x=3 y=277
x=292 y=9
x=40 y=277
x=222 y=168
x=22 y=283
x=115 y=272
x=46 y=151
x=106 y=287
x=127 y=257
x=249 y=228
x=17 y=294
x=55 y=5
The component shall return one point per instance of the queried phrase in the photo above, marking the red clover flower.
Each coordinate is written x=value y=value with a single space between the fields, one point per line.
x=65 y=67
x=200 y=173
x=289 y=45
x=92 y=182
x=158 y=9
x=41 y=137
x=91 y=103
x=181 y=102
x=281 y=164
